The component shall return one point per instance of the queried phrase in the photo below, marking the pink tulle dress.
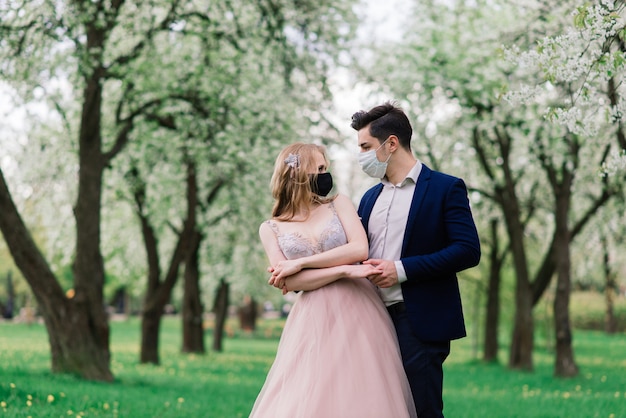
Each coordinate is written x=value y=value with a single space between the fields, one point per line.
x=338 y=356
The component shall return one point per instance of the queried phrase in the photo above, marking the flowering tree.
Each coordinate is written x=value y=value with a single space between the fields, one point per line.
x=110 y=57
x=576 y=84
x=526 y=169
x=581 y=64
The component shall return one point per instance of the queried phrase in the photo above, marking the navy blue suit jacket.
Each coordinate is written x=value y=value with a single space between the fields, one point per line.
x=440 y=240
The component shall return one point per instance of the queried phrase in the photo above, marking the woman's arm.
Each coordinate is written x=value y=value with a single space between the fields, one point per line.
x=312 y=279
x=326 y=267
x=354 y=251
x=307 y=280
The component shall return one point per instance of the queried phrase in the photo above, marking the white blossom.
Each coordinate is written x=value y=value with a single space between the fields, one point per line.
x=614 y=164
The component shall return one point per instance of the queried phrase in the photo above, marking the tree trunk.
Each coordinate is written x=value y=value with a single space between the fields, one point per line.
x=78 y=344
x=565 y=365
x=192 y=309
x=78 y=329
x=506 y=197
x=158 y=291
x=72 y=348
x=88 y=265
x=610 y=323
x=247 y=314
x=7 y=311
x=522 y=343
x=492 y=318
x=220 y=308
x=150 y=326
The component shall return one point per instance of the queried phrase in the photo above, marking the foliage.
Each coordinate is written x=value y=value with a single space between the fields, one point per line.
x=581 y=57
x=227 y=82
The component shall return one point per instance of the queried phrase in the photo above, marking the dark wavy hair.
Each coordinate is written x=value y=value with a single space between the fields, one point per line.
x=385 y=120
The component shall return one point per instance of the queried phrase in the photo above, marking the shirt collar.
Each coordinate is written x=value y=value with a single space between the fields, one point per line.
x=412 y=175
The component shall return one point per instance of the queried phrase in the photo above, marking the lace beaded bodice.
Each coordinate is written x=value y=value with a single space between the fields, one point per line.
x=295 y=245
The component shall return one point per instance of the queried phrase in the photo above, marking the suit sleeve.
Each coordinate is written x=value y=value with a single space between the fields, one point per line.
x=453 y=244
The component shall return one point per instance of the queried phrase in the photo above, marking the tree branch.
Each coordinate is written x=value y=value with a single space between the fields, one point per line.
x=482 y=156
x=122 y=60
x=127 y=126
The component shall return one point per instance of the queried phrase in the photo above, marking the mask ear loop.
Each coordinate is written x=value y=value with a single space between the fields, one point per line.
x=382 y=145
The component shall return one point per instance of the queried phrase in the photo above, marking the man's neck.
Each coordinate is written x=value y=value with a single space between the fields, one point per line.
x=398 y=171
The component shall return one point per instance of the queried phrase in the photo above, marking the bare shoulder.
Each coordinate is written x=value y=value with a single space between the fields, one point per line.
x=265 y=227
x=342 y=199
x=344 y=204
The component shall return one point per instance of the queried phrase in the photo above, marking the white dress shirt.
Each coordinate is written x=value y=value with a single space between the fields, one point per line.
x=387 y=224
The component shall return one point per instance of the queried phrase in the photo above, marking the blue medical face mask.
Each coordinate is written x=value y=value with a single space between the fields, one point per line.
x=322 y=184
x=371 y=166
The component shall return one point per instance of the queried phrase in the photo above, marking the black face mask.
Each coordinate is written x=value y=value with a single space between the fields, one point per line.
x=322 y=184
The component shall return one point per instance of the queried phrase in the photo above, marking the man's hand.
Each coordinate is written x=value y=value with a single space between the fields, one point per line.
x=360 y=271
x=385 y=275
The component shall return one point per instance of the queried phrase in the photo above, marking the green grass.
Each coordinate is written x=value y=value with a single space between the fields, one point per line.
x=214 y=385
x=474 y=389
x=226 y=384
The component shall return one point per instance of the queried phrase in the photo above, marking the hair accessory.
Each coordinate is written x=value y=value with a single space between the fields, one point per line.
x=293 y=160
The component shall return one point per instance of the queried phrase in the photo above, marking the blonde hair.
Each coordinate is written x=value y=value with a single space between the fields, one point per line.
x=291 y=185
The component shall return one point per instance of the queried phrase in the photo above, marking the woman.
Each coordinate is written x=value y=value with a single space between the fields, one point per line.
x=338 y=355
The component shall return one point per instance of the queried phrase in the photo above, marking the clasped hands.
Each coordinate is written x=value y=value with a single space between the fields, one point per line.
x=382 y=273
x=281 y=271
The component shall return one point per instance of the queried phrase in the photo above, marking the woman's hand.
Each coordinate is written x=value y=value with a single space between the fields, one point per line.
x=276 y=282
x=281 y=271
x=286 y=268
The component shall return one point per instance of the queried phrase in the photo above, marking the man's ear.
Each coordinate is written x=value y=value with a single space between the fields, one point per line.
x=394 y=143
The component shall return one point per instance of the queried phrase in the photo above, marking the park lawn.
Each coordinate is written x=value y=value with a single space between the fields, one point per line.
x=475 y=389
x=224 y=385
x=214 y=385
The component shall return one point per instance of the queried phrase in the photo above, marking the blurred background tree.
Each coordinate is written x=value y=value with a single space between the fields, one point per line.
x=177 y=73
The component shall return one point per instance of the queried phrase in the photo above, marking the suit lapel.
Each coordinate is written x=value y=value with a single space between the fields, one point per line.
x=368 y=205
x=419 y=194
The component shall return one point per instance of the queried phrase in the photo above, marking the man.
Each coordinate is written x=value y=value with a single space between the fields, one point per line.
x=421 y=233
